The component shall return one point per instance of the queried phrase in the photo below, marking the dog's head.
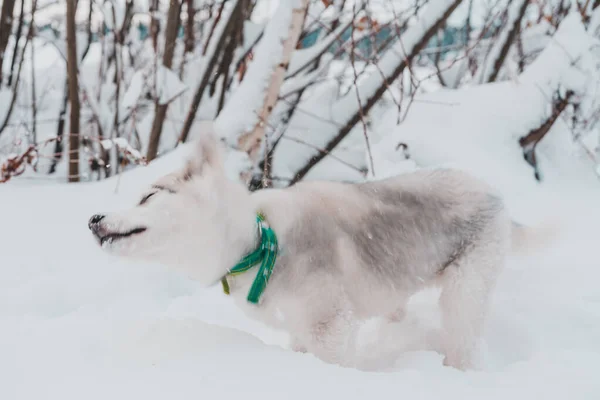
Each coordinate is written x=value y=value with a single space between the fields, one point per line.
x=187 y=219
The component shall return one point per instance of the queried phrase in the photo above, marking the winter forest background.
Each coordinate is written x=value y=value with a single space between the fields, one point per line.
x=328 y=89
x=100 y=97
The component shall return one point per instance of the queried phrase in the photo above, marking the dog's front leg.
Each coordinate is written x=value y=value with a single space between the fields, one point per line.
x=332 y=339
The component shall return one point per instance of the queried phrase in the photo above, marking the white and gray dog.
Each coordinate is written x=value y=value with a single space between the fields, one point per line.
x=347 y=252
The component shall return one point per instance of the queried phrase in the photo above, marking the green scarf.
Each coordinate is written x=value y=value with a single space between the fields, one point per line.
x=266 y=254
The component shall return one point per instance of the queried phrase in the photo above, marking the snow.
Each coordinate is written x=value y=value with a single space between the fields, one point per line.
x=134 y=90
x=571 y=46
x=478 y=129
x=124 y=145
x=116 y=19
x=168 y=85
x=76 y=323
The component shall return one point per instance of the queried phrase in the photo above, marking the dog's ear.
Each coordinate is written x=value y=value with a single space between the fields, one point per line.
x=206 y=155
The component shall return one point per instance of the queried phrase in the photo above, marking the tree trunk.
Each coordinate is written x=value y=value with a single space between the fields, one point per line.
x=6 y=20
x=235 y=16
x=73 y=93
x=190 y=40
x=60 y=129
x=17 y=40
x=34 y=110
x=154 y=24
x=15 y=88
x=161 y=109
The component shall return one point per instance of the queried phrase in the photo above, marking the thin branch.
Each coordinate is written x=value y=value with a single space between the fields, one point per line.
x=33 y=80
x=360 y=106
x=530 y=141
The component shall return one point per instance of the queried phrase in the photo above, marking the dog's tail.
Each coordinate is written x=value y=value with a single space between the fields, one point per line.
x=525 y=239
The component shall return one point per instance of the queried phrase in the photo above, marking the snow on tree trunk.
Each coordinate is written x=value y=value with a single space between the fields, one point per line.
x=490 y=68
x=73 y=93
x=250 y=142
x=242 y=121
x=347 y=112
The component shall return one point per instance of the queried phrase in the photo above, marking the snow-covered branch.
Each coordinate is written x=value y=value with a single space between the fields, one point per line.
x=243 y=120
x=347 y=112
x=488 y=71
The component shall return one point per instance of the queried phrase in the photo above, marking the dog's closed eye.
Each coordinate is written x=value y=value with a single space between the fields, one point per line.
x=146 y=197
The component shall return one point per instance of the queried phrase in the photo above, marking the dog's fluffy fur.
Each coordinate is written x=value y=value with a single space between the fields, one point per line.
x=348 y=252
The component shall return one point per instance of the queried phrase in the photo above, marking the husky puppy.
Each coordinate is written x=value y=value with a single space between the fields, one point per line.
x=347 y=252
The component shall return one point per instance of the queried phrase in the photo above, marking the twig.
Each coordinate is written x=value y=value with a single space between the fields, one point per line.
x=360 y=106
x=530 y=141
x=324 y=152
x=33 y=89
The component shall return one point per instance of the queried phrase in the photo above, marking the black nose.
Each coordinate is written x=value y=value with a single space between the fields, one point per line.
x=93 y=222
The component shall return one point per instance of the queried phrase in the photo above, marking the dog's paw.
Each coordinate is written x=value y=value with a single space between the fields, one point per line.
x=298 y=347
x=462 y=362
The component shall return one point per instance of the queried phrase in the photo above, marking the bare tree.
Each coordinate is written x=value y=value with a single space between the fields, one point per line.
x=17 y=40
x=268 y=84
x=161 y=109
x=189 y=42
x=62 y=113
x=6 y=21
x=15 y=88
x=72 y=70
x=33 y=88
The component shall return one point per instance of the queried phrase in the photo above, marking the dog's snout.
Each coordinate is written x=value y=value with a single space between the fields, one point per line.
x=94 y=221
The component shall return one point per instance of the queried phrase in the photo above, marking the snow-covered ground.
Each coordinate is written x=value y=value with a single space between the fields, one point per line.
x=76 y=323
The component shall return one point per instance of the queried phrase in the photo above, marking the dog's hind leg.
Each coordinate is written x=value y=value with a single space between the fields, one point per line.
x=466 y=291
x=398 y=315
x=400 y=312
